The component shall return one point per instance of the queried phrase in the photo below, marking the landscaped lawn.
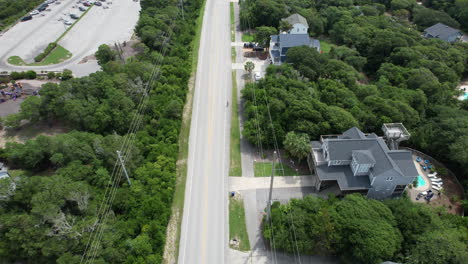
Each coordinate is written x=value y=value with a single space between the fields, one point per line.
x=325 y=46
x=59 y=54
x=263 y=169
x=16 y=60
x=235 y=167
x=237 y=227
x=247 y=37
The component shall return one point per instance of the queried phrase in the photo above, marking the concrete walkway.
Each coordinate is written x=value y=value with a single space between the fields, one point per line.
x=247 y=150
x=252 y=183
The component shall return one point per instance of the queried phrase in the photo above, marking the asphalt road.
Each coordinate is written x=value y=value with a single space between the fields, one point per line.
x=204 y=237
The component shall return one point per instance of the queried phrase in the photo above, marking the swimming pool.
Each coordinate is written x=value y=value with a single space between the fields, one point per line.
x=421 y=181
x=465 y=96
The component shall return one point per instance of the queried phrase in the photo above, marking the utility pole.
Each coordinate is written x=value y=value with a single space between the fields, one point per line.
x=271 y=186
x=123 y=167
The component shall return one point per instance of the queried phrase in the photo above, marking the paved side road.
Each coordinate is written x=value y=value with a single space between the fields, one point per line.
x=204 y=237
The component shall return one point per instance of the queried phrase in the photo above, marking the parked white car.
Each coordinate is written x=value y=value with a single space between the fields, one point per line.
x=257 y=76
x=33 y=13
x=67 y=22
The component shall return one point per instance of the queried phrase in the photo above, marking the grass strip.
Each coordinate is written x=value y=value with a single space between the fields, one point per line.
x=237 y=226
x=57 y=55
x=263 y=169
x=233 y=31
x=235 y=167
x=179 y=194
x=247 y=37
x=72 y=25
x=233 y=54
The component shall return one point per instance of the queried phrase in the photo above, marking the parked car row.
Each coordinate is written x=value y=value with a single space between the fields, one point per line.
x=39 y=9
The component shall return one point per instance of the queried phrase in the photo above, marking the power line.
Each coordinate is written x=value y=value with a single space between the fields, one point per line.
x=126 y=148
x=259 y=142
x=282 y=169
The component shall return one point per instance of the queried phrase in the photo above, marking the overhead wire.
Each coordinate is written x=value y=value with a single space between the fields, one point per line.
x=126 y=147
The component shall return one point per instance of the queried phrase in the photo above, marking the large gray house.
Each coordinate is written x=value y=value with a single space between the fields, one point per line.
x=363 y=163
x=443 y=32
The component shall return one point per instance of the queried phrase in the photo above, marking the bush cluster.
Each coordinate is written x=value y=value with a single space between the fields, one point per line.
x=46 y=52
x=30 y=75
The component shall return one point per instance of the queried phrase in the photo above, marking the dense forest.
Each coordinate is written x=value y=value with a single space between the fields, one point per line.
x=366 y=231
x=60 y=181
x=379 y=70
x=11 y=10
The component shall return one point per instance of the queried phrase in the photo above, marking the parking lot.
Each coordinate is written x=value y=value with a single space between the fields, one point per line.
x=109 y=23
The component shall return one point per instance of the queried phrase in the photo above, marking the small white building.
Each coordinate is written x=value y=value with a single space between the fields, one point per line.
x=299 y=23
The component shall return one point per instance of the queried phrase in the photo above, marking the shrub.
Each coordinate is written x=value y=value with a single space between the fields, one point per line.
x=30 y=75
x=46 y=52
x=67 y=74
x=17 y=75
x=51 y=75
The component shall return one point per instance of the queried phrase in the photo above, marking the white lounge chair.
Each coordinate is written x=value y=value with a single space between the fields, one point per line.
x=432 y=174
x=436 y=179
x=436 y=188
x=437 y=184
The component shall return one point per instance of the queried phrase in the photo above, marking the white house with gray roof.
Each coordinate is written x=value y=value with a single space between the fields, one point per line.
x=280 y=44
x=299 y=24
x=297 y=36
x=443 y=32
x=360 y=162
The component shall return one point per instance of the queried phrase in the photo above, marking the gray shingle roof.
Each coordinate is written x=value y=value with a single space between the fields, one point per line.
x=353 y=132
x=293 y=40
x=344 y=176
x=363 y=157
x=441 y=31
x=296 y=19
x=316 y=144
x=354 y=140
x=404 y=161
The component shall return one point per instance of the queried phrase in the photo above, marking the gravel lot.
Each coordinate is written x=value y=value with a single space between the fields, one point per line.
x=98 y=26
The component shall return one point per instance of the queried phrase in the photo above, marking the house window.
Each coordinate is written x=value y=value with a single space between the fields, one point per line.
x=389 y=179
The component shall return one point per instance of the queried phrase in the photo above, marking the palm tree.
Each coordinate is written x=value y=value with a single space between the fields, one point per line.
x=249 y=66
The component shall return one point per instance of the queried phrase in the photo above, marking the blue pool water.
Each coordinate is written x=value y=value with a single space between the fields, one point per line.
x=421 y=181
x=466 y=96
